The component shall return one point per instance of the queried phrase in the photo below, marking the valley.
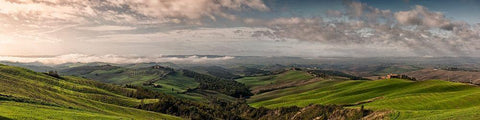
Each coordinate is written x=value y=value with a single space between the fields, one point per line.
x=165 y=92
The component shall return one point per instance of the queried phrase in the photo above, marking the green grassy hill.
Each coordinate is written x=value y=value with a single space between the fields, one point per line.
x=177 y=84
x=116 y=74
x=216 y=71
x=287 y=76
x=404 y=99
x=30 y=95
x=167 y=81
x=191 y=85
x=286 y=79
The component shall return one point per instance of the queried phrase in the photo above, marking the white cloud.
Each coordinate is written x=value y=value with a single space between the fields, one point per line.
x=35 y=26
x=107 y=28
x=422 y=16
x=74 y=58
x=242 y=34
x=194 y=9
x=53 y=12
x=377 y=30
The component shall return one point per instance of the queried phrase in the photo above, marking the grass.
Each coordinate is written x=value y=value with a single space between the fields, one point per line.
x=116 y=75
x=31 y=95
x=432 y=99
x=273 y=79
x=31 y=111
x=121 y=76
x=179 y=83
x=126 y=76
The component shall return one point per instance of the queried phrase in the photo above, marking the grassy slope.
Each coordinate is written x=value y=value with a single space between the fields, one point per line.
x=31 y=95
x=272 y=79
x=138 y=76
x=179 y=83
x=410 y=100
x=126 y=76
x=115 y=74
x=120 y=75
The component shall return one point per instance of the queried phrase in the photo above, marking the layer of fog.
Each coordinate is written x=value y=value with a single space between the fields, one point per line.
x=82 y=58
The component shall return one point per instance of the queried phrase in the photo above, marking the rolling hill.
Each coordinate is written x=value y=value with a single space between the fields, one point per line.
x=116 y=74
x=292 y=78
x=26 y=94
x=216 y=71
x=455 y=76
x=401 y=99
x=286 y=79
x=291 y=94
x=181 y=83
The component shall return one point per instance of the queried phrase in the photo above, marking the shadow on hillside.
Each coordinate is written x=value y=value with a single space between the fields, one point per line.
x=4 y=118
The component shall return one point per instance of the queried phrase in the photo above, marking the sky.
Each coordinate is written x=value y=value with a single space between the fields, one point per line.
x=298 y=28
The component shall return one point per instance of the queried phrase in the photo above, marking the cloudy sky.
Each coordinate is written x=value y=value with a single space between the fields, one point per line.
x=301 y=28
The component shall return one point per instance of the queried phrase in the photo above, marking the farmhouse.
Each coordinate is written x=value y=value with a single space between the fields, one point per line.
x=390 y=76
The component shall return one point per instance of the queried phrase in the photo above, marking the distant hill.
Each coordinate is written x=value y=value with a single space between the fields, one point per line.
x=30 y=95
x=116 y=74
x=448 y=75
x=216 y=71
x=164 y=79
x=270 y=92
x=283 y=80
x=291 y=78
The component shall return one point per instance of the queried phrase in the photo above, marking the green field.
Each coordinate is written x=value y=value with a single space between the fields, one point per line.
x=176 y=83
x=125 y=76
x=273 y=79
x=121 y=76
x=30 y=95
x=432 y=99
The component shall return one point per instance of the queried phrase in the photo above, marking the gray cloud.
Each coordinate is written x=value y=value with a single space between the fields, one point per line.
x=358 y=10
x=73 y=25
x=423 y=17
x=59 y=12
x=418 y=31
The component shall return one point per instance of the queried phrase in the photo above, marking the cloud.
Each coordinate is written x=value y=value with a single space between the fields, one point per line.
x=421 y=16
x=69 y=24
x=358 y=10
x=107 y=28
x=418 y=31
x=234 y=34
x=194 y=9
x=74 y=58
x=148 y=26
x=55 y=12
x=334 y=13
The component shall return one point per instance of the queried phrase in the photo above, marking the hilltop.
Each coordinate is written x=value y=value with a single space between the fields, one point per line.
x=181 y=83
x=472 y=77
x=288 y=93
x=399 y=99
x=33 y=95
x=30 y=95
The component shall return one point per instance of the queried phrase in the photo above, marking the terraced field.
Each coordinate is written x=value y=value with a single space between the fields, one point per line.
x=30 y=95
x=405 y=99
